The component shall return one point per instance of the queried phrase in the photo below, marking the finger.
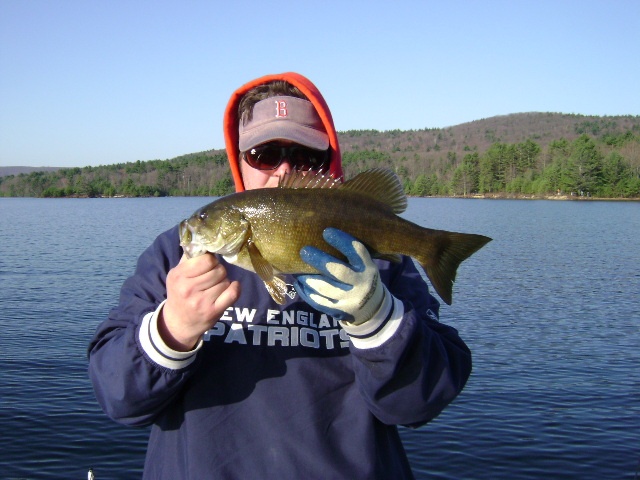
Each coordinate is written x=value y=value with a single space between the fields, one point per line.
x=328 y=288
x=346 y=244
x=230 y=295
x=301 y=284
x=227 y=298
x=197 y=266
x=211 y=278
x=322 y=285
x=319 y=259
x=186 y=280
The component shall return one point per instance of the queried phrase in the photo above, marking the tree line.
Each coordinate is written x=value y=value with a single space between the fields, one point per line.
x=603 y=166
x=578 y=168
x=198 y=174
x=607 y=167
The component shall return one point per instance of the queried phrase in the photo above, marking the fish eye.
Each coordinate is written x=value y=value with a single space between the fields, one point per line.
x=203 y=215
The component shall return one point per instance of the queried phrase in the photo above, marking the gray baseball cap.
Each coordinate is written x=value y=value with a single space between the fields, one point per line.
x=283 y=118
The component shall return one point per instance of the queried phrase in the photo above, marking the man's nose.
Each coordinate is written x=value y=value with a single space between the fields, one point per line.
x=285 y=167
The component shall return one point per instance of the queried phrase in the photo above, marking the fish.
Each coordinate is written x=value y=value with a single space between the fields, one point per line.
x=263 y=230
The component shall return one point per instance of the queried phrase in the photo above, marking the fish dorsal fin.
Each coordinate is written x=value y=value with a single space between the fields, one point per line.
x=382 y=185
x=300 y=179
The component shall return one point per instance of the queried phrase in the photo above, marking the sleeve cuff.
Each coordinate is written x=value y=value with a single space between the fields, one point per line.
x=157 y=350
x=375 y=332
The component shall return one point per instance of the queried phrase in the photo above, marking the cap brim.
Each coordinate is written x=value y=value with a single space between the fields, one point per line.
x=293 y=132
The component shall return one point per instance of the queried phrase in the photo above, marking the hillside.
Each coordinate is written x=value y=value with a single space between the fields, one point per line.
x=6 y=171
x=519 y=154
x=479 y=135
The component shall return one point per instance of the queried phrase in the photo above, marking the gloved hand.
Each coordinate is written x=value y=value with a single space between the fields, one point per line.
x=351 y=292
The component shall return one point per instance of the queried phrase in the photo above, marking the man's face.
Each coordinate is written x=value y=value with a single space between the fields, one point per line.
x=256 y=178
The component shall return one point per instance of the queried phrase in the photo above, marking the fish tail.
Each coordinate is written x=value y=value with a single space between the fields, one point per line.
x=443 y=253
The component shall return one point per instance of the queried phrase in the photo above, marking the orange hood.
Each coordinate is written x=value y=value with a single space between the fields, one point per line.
x=315 y=97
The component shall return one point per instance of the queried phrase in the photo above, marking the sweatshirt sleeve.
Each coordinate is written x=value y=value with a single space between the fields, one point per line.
x=408 y=366
x=134 y=374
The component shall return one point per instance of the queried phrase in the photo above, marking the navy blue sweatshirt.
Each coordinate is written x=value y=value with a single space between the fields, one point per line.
x=276 y=391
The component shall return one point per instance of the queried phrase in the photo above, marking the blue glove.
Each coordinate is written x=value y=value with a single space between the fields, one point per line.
x=351 y=292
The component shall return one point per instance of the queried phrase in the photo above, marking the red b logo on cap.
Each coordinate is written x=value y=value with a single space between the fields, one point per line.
x=281 y=109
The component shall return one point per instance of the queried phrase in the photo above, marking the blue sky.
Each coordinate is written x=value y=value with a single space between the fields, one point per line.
x=93 y=83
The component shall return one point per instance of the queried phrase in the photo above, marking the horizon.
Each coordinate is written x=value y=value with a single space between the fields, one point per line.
x=339 y=132
x=99 y=84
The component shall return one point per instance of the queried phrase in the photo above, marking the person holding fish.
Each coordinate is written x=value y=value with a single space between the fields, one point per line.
x=284 y=331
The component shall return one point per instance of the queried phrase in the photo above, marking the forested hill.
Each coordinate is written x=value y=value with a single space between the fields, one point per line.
x=531 y=154
x=6 y=171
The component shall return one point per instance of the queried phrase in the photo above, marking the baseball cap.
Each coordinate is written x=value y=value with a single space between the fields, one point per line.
x=283 y=118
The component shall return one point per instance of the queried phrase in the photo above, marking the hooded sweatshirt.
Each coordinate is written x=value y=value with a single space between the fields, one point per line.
x=275 y=391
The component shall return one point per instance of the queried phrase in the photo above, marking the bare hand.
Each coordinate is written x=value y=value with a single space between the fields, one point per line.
x=198 y=293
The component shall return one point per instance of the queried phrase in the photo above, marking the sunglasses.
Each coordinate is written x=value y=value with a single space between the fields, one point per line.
x=269 y=157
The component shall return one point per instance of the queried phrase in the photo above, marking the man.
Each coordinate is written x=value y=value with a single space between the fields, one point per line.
x=237 y=386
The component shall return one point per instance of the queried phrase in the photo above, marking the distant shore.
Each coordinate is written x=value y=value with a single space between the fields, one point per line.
x=485 y=196
x=513 y=196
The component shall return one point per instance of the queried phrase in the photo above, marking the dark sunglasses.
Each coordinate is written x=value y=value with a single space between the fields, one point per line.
x=269 y=157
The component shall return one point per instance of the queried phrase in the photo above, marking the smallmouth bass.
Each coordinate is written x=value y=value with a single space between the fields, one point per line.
x=263 y=230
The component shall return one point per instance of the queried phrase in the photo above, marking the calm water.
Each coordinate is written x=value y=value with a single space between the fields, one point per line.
x=550 y=310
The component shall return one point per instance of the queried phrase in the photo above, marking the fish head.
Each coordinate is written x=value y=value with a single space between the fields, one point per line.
x=216 y=230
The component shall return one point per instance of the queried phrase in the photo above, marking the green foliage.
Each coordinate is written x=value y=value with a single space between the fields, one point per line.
x=425 y=185
x=222 y=187
x=618 y=140
x=603 y=160
x=595 y=127
x=585 y=166
x=365 y=157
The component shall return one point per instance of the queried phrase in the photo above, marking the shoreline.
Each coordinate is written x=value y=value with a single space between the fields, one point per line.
x=485 y=196
x=513 y=196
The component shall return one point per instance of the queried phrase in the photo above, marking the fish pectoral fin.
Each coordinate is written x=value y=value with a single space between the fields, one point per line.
x=276 y=286
x=260 y=265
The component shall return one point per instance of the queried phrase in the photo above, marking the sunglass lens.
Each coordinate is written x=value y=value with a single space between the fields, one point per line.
x=307 y=158
x=266 y=158
x=301 y=158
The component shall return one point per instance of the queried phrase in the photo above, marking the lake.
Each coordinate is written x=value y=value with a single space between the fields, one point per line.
x=550 y=310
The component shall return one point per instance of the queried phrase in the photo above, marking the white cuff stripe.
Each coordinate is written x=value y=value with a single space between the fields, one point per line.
x=371 y=327
x=386 y=332
x=157 y=350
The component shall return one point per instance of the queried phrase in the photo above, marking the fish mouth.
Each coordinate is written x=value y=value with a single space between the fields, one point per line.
x=189 y=240
x=186 y=233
